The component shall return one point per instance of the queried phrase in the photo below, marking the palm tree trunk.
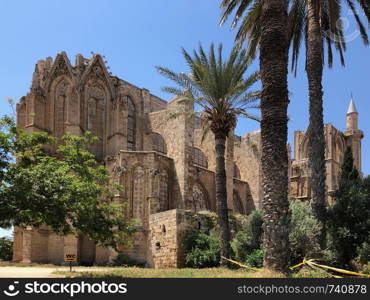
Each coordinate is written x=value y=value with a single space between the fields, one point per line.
x=316 y=138
x=274 y=131
x=221 y=196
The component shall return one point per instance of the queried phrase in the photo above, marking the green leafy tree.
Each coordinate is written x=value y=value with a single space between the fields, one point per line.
x=363 y=253
x=218 y=86
x=348 y=170
x=7 y=138
x=255 y=259
x=316 y=23
x=67 y=190
x=304 y=230
x=249 y=238
x=6 y=249
x=202 y=250
x=349 y=217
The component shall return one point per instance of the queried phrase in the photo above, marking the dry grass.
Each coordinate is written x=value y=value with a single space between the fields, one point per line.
x=173 y=273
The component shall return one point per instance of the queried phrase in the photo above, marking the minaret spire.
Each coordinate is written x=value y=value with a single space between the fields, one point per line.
x=352 y=116
x=352 y=107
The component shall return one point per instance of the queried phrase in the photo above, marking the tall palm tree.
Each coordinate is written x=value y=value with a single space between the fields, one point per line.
x=269 y=21
x=274 y=131
x=219 y=88
x=316 y=22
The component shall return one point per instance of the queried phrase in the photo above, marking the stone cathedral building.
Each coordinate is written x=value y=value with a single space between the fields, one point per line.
x=167 y=171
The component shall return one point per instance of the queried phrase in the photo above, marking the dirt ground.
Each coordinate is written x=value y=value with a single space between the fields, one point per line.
x=41 y=272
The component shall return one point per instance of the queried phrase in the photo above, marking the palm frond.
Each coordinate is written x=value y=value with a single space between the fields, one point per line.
x=365 y=6
x=218 y=86
x=250 y=116
x=247 y=13
x=205 y=131
x=361 y=26
x=297 y=25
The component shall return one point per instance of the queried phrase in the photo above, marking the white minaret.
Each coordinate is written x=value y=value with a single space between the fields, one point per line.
x=353 y=134
x=352 y=116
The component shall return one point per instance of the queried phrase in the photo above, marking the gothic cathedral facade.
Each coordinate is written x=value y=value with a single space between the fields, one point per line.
x=166 y=166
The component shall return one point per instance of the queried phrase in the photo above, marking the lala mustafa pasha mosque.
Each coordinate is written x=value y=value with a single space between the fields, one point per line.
x=167 y=171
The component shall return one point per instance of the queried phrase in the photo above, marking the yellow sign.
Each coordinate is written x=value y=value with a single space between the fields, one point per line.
x=70 y=257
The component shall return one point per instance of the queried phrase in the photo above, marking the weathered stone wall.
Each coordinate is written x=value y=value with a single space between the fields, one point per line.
x=39 y=240
x=175 y=127
x=55 y=248
x=86 y=250
x=18 y=244
x=162 y=251
x=242 y=190
x=247 y=156
x=147 y=177
x=167 y=233
x=169 y=229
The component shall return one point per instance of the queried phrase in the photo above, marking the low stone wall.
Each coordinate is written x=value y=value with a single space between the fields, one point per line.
x=161 y=246
x=167 y=232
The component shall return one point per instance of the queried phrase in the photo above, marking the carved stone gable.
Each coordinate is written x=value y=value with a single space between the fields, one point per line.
x=61 y=68
x=97 y=72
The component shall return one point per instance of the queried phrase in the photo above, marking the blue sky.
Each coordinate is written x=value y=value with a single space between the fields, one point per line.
x=135 y=36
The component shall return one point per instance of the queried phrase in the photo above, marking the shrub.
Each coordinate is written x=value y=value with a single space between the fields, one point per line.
x=349 y=217
x=124 y=261
x=255 y=259
x=202 y=250
x=304 y=232
x=366 y=269
x=6 y=249
x=249 y=238
x=349 y=221
x=363 y=253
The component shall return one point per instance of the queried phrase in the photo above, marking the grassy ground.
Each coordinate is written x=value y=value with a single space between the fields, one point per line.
x=135 y=272
x=173 y=273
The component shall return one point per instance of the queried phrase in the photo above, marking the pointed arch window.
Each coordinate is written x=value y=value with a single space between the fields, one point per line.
x=158 y=143
x=96 y=116
x=236 y=171
x=200 y=159
x=62 y=93
x=131 y=124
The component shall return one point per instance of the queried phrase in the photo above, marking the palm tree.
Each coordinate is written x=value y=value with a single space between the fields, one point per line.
x=317 y=23
x=274 y=131
x=267 y=24
x=219 y=89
